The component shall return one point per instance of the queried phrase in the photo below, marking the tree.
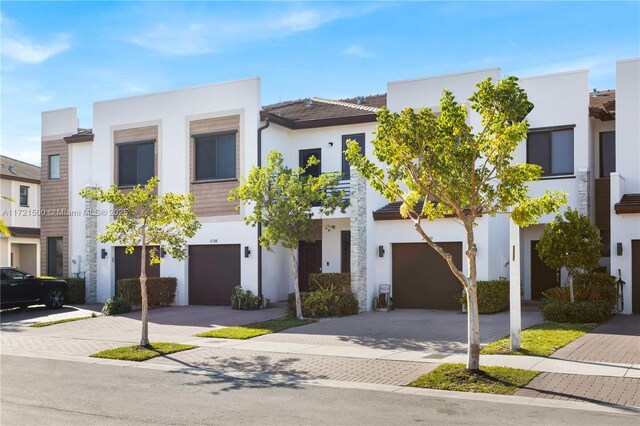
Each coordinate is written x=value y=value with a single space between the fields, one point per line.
x=4 y=229
x=571 y=241
x=147 y=219
x=441 y=160
x=283 y=201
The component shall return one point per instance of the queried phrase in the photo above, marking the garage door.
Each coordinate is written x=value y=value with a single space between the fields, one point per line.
x=128 y=265
x=421 y=278
x=213 y=273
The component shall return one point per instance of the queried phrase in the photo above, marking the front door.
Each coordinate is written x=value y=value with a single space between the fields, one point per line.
x=128 y=265
x=542 y=277
x=345 y=251
x=309 y=262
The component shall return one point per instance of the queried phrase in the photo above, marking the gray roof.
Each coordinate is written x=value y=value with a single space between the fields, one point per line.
x=18 y=170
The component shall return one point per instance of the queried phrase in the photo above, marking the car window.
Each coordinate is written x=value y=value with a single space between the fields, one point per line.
x=12 y=274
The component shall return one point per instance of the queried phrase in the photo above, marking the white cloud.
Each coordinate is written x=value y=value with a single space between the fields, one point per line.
x=357 y=51
x=20 y=48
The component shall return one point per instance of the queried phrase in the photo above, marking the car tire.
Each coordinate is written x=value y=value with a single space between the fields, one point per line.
x=55 y=298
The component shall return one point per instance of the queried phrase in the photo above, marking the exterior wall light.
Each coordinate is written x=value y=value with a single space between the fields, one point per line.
x=247 y=251
x=619 y=249
x=103 y=253
x=380 y=251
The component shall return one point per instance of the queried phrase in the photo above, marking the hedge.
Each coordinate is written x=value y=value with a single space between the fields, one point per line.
x=75 y=289
x=588 y=287
x=322 y=304
x=493 y=296
x=595 y=279
x=161 y=291
x=577 y=312
x=339 y=281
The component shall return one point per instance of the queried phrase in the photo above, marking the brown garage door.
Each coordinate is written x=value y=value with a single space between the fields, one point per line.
x=421 y=278
x=542 y=277
x=214 y=270
x=128 y=265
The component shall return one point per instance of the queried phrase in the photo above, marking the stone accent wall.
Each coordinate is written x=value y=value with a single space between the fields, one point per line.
x=358 y=213
x=91 y=251
x=583 y=192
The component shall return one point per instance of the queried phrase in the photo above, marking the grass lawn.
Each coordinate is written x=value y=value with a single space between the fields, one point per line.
x=137 y=353
x=540 y=340
x=256 y=329
x=455 y=377
x=60 y=321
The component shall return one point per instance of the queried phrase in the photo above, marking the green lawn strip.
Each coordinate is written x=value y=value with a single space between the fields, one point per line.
x=540 y=340
x=455 y=377
x=137 y=353
x=256 y=329
x=60 y=321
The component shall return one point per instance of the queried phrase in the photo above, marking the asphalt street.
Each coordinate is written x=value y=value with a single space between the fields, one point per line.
x=42 y=391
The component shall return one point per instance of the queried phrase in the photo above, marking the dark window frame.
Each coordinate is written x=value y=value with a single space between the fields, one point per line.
x=25 y=202
x=51 y=177
x=601 y=149
x=51 y=259
x=311 y=151
x=196 y=138
x=346 y=172
x=135 y=144
x=550 y=131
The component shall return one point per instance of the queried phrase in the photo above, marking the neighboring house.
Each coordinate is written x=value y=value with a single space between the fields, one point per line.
x=203 y=139
x=20 y=181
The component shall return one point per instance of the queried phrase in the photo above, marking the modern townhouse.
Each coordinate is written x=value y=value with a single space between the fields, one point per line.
x=202 y=139
x=20 y=183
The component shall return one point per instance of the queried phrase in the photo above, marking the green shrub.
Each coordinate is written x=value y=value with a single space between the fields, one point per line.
x=493 y=296
x=119 y=304
x=594 y=279
x=340 y=281
x=245 y=299
x=324 y=303
x=75 y=289
x=578 y=312
x=161 y=291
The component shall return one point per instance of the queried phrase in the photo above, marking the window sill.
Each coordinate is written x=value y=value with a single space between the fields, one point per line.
x=557 y=177
x=196 y=182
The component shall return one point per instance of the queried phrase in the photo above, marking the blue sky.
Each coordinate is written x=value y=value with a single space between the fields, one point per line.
x=56 y=55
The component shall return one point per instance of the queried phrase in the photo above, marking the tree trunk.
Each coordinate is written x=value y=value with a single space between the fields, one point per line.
x=144 y=340
x=571 y=299
x=473 y=327
x=296 y=284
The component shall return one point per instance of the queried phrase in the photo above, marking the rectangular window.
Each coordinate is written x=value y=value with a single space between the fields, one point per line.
x=360 y=138
x=215 y=157
x=24 y=196
x=305 y=155
x=135 y=163
x=54 y=166
x=54 y=257
x=552 y=150
x=607 y=153
x=345 y=250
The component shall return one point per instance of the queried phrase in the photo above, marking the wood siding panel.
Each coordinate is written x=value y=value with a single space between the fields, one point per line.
x=133 y=135
x=211 y=197
x=54 y=202
x=603 y=203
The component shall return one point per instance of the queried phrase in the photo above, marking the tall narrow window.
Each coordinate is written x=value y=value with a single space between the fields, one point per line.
x=607 y=153
x=360 y=138
x=54 y=257
x=305 y=155
x=215 y=156
x=135 y=163
x=24 y=196
x=54 y=166
x=551 y=150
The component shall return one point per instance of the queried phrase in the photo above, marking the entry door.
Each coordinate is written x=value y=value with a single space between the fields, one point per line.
x=128 y=265
x=635 y=276
x=309 y=261
x=542 y=277
x=345 y=251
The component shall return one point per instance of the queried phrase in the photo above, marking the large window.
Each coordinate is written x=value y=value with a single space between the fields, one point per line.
x=135 y=163
x=24 y=196
x=54 y=166
x=360 y=138
x=607 y=153
x=54 y=257
x=305 y=155
x=215 y=156
x=552 y=150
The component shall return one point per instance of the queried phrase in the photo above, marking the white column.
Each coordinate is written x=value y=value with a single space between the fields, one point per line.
x=514 y=285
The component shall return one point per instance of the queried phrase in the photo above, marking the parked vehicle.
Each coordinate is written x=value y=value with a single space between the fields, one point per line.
x=21 y=289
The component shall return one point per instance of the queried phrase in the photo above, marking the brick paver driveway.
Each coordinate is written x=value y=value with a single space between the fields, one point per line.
x=616 y=341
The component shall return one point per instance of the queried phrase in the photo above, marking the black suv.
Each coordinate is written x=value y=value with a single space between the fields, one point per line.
x=19 y=288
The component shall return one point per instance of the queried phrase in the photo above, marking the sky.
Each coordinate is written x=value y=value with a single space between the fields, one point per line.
x=55 y=55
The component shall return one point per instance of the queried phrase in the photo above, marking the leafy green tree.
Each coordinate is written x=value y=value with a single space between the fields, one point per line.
x=4 y=229
x=571 y=241
x=283 y=200
x=147 y=219
x=459 y=171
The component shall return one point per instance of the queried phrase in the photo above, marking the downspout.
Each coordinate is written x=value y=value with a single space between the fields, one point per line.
x=259 y=162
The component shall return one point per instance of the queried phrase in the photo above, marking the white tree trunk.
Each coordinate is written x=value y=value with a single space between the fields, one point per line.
x=473 y=328
x=144 y=339
x=296 y=284
x=571 y=298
